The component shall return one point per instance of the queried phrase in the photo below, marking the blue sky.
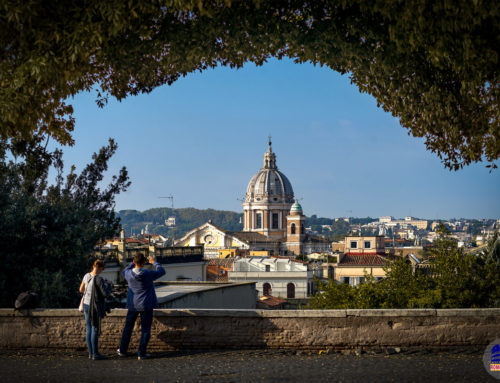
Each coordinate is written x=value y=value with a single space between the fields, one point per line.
x=203 y=138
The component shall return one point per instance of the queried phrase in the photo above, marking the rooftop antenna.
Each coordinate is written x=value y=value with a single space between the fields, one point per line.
x=171 y=198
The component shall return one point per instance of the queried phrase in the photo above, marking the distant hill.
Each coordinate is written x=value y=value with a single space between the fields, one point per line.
x=134 y=221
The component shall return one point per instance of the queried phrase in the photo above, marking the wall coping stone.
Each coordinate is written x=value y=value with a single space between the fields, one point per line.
x=468 y=312
x=391 y=312
x=6 y=312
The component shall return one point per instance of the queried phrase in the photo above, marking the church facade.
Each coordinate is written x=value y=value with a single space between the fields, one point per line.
x=272 y=219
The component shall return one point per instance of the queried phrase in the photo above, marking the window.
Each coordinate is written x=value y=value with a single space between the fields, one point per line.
x=331 y=274
x=268 y=268
x=345 y=280
x=290 y=290
x=354 y=245
x=292 y=228
x=368 y=244
x=258 y=223
x=275 y=221
x=302 y=229
x=267 y=289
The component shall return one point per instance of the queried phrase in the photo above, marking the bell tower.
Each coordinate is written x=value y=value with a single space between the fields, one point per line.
x=295 y=229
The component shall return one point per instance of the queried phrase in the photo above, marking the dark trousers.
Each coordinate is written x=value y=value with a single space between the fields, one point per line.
x=146 y=320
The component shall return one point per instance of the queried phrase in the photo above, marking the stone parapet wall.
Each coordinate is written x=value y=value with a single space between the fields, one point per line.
x=243 y=329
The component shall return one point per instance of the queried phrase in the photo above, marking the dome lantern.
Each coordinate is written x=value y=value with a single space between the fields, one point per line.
x=269 y=157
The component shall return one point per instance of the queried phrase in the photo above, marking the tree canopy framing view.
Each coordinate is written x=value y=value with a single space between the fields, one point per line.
x=433 y=64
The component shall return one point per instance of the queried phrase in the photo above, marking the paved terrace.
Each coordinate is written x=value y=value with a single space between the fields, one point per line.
x=412 y=365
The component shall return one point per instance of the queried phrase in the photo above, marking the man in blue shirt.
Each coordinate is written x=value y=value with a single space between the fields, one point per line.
x=141 y=300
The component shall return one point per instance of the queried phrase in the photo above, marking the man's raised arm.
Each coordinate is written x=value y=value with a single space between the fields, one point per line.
x=159 y=270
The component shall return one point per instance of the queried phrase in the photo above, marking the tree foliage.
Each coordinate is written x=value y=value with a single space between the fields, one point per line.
x=453 y=279
x=313 y=220
x=48 y=230
x=433 y=64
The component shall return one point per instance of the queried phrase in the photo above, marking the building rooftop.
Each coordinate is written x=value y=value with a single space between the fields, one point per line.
x=364 y=260
x=249 y=237
x=222 y=262
x=169 y=291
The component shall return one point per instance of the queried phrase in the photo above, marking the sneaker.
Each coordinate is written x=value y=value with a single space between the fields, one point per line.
x=121 y=354
x=144 y=356
x=99 y=357
x=90 y=355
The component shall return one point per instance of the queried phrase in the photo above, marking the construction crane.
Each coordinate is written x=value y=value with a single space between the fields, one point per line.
x=170 y=222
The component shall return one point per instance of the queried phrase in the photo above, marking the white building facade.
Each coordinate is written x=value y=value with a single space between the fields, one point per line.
x=278 y=277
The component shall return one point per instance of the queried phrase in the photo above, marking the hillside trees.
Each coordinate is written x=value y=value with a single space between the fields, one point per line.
x=48 y=230
x=186 y=220
x=433 y=64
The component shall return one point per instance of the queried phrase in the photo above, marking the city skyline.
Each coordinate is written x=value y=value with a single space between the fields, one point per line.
x=203 y=138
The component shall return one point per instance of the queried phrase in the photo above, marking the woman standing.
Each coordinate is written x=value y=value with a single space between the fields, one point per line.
x=95 y=289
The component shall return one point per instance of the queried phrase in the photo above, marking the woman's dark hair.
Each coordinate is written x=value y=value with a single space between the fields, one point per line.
x=139 y=259
x=98 y=264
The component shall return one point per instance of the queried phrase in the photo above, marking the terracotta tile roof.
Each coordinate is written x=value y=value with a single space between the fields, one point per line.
x=222 y=278
x=224 y=262
x=364 y=260
x=132 y=240
x=271 y=301
x=217 y=269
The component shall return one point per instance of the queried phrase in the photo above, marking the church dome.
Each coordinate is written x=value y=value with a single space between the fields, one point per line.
x=269 y=184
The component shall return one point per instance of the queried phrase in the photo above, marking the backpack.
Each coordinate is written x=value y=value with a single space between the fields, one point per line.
x=27 y=300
